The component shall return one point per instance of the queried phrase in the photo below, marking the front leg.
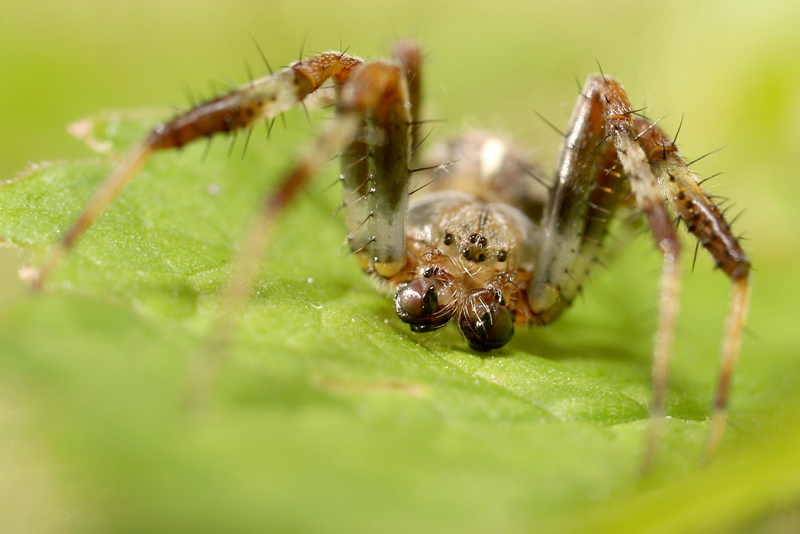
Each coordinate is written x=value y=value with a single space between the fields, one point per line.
x=588 y=190
x=372 y=108
x=375 y=167
x=260 y=100
x=604 y=141
x=704 y=219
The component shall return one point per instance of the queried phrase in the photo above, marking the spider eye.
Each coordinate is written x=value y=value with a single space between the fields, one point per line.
x=486 y=323
x=448 y=239
x=417 y=303
x=430 y=271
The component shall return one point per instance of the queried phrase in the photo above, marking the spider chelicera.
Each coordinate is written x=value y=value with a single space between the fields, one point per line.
x=485 y=244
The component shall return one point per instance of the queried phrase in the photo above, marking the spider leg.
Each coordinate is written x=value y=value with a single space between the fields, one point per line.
x=375 y=167
x=371 y=175
x=409 y=54
x=605 y=140
x=704 y=219
x=588 y=190
x=372 y=116
x=260 y=100
x=619 y=119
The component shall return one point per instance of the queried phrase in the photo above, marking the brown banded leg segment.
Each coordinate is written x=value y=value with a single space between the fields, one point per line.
x=704 y=219
x=691 y=202
x=377 y=166
x=260 y=100
x=620 y=129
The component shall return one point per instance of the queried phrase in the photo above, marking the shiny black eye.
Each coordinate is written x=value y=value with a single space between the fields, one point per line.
x=448 y=239
x=502 y=255
x=416 y=299
x=417 y=304
x=486 y=323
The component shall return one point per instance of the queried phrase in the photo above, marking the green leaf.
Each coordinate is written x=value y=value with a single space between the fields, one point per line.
x=328 y=414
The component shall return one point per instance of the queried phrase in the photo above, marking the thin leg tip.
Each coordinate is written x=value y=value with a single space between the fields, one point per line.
x=648 y=462
x=652 y=444
x=714 y=436
x=32 y=275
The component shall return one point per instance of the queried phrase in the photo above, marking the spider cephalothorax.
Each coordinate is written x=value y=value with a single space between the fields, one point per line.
x=487 y=245
x=473 y=237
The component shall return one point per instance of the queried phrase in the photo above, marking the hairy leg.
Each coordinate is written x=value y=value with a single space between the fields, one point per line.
x=372 y=101
x=260 y=100
x=606 y=139
x=704 y=219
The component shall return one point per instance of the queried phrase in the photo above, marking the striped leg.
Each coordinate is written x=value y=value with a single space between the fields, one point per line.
x=260 y=100
x=372 y=112
x=604 y=140
x=704 y=219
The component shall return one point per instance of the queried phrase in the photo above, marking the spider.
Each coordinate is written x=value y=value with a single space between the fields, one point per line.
x=485 y=245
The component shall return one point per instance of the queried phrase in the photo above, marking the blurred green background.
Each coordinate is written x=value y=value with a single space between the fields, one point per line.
x=731 y=68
